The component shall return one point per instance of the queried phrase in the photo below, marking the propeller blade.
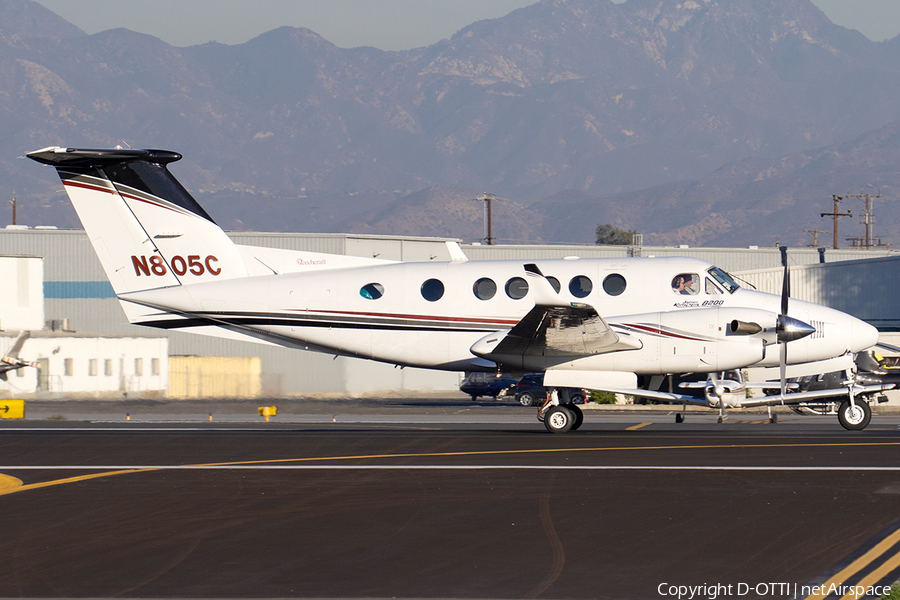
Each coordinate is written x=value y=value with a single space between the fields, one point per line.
x=782 y=364
x=785 y=290
x=789 y=328
x=717 y=393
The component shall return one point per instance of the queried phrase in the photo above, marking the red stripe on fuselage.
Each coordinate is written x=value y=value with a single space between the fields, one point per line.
x=662 y=333
x=413 y=317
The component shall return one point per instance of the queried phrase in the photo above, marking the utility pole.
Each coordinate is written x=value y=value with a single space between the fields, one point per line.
x=868 y=218
x=815 y=233
x=837 y=199
x=488 y=218
x=15 y=206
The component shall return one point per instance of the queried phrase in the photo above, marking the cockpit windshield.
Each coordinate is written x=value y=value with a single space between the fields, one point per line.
x=724 y=279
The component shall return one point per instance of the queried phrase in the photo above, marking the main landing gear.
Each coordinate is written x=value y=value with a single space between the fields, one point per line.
x=559 y=414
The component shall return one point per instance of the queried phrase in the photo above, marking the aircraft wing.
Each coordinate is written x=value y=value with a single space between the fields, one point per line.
x=799 y=397
x=667 y=397
x=553 y=329
x=559 y=331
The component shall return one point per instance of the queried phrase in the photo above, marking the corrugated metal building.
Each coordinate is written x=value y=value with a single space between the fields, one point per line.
x=867 y=289
x=76 y=288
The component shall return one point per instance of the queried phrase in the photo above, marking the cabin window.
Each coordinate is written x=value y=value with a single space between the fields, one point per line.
x=372 y=291
x=686 y=284
x=516 y=288
x=554 y=282
x=614 y=284
x=484 y=288
x=432 y=290
x=711 y=287
x=580 y=286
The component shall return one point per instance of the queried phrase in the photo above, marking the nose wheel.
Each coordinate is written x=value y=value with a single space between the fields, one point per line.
x=854 y=415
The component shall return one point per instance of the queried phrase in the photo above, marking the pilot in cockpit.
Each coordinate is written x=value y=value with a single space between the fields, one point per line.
x=684 y=284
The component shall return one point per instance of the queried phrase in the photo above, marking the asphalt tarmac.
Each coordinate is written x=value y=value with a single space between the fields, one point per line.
x=439 y=498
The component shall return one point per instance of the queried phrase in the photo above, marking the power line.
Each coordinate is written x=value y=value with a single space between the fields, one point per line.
x=837 y=200
x=815 y=233
x=868 y=218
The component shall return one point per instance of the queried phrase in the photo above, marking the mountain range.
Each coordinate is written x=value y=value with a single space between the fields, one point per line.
x=727 y=122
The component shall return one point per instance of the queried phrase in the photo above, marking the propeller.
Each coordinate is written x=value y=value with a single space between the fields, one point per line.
x=782 y=326
x=788 y=328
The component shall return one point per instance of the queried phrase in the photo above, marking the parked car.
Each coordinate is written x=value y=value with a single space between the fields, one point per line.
x=530 y=391
x=487 y=384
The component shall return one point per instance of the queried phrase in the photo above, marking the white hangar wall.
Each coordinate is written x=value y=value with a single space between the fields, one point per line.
x=20 y=299
x=88 y=365
x=76 y=288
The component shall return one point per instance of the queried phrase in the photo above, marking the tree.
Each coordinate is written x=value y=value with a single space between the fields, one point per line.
x=610 y=235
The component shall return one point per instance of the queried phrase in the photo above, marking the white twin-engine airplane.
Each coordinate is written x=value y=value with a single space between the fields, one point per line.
x=589 y=323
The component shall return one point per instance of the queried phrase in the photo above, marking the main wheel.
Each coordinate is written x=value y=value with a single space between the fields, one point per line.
x=526 y=399
x=577 y=415
x=854 y=417
x=558 y=420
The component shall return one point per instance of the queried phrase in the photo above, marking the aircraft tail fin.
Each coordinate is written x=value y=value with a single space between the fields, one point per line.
x=146 y=229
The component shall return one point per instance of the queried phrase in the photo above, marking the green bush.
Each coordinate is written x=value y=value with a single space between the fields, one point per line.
x=602 y=397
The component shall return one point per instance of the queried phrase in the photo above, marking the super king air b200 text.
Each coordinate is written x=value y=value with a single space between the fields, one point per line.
x=590 y=323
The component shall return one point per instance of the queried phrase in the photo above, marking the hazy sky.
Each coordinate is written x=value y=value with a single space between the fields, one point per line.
x=385 y=24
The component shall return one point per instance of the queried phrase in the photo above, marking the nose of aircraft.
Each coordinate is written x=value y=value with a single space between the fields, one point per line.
x=863 y=335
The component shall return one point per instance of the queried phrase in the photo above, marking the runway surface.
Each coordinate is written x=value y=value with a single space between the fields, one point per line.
x=462 y=502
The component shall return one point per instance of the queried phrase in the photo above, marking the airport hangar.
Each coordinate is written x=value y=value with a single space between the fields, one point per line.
x=76 y=297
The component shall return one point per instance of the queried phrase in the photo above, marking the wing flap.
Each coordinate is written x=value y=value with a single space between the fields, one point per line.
x=559 y=332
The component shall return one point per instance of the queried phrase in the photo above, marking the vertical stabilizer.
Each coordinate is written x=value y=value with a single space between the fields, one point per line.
x=147 y=230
